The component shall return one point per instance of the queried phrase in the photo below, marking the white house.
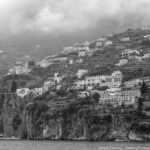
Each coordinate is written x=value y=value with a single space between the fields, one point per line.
x=125 y=39
x=122 y=62
x=145 y=28
x=70 y=61
x=67 y=50
x=110 y=36
x=83 y=94
x=38 y=91
x=128 y=52
x=102 y=39
x=127 y=97
x=108 y=43
x=86 y=43
x=138 y=58
x=81 y=53
x=114 y=80
x=147 y=36
x=81 y=72
x=90 y=52
x=22 y=92
x=48 y=84
x=146 y=56
x=80 y=61
x=99 y=44
x=132 y=83
x=19 y=70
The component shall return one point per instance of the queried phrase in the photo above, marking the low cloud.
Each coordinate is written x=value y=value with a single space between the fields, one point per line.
x=67 y=16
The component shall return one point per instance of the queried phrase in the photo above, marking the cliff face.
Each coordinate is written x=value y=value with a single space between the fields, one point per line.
x=33 y=119
x=11 y=115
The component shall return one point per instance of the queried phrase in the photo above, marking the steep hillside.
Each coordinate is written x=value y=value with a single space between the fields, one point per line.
x=60 y=113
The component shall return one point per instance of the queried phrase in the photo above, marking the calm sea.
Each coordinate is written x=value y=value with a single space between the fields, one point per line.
x=62 y=145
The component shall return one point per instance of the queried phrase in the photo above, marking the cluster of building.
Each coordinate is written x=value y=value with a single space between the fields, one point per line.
x=119 y=97
x=53 y=81
x=19 y=70
x=83 y=49
x=132 y=55
x=147 y=28
x=116 y=92
x=111 y=88
x=103 y=42
x=113 y=80
x=77 y=47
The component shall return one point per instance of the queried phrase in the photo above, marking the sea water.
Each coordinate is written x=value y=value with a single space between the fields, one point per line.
x=65 y=145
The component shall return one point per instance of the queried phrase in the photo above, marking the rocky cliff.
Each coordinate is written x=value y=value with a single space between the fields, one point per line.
x=30 y=118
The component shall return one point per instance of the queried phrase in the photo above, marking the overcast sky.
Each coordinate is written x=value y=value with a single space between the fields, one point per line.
x=48 y=22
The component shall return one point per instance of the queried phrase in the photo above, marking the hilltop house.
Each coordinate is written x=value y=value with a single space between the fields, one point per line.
x=146 y=28
x=108 y=43
x=147 y=36
x=81 y=53
x=99 y=44
x=86 y=48
x=80 y=61
x=102 y=39
x=122 y=62
x=22 y=92
x=84 y=53
x=67 y=50
x=19 y=70
x=81 y=72
x=146 y=56
x=86 y=44
x=125 y=39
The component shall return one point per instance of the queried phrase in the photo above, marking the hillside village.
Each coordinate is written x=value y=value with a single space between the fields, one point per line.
x=87 y=84
x=111 y=73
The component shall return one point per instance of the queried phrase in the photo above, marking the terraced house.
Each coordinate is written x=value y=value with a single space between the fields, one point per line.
x=114 y=80
x=127 y=97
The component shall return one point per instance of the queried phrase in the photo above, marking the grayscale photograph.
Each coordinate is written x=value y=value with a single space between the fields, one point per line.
x=74 y=74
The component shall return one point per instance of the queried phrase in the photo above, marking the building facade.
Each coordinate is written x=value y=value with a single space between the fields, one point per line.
x=81 y=72
x=118 y=98
x=114 y=80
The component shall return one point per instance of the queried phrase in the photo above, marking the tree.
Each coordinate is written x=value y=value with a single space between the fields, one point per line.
x=144 y=88
x=61 y=93
x=13 y=87
x=140 y=105
x=96 y=97
x=31 y=63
